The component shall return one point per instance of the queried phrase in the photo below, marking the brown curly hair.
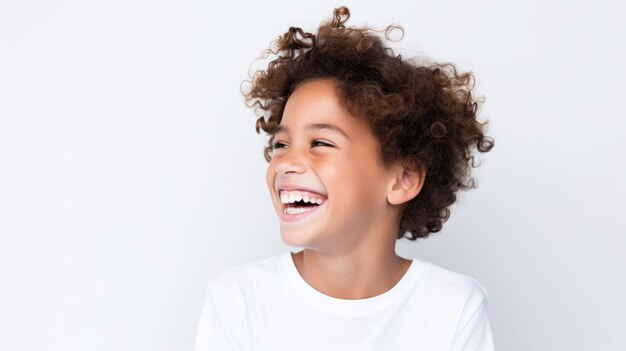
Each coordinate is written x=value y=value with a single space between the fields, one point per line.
x=423 y=115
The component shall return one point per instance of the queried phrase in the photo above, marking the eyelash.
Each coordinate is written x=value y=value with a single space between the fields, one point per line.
x=279 y=145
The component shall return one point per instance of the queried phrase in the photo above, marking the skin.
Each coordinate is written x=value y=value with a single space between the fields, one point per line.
x=349 y=242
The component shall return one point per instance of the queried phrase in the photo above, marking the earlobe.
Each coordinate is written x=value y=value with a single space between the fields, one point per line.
x=405 y=186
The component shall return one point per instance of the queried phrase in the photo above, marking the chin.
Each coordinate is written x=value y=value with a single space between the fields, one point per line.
x=295 y=238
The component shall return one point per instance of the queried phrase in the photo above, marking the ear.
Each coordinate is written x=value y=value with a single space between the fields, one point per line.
x=404 y=185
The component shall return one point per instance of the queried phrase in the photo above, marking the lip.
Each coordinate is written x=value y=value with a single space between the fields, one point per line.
x=298 y=187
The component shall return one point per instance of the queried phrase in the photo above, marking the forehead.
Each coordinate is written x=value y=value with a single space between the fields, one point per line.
x=311 y=127
x=314 y=105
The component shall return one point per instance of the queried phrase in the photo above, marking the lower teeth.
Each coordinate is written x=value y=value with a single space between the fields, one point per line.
x=296 y=210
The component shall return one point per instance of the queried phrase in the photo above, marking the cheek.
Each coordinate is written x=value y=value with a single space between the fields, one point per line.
x=368 y=185
x=348 y=183
x=270 y=177
x=270 y=173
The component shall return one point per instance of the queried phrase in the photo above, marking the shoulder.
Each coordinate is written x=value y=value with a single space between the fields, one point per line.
x=456 y=309
x=452 y=297
x=448 y=283
x=243 y=280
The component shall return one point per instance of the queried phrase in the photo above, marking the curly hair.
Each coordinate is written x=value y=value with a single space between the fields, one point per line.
x=422 y=114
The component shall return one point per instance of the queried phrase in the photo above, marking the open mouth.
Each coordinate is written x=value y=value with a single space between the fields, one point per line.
x=299 y=204
x=295 y=213
x=298 y=207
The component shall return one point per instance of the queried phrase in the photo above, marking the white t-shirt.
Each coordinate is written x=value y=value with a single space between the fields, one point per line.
x=267 y=305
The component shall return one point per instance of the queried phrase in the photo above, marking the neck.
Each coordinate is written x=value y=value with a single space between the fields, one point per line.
x=349 y=276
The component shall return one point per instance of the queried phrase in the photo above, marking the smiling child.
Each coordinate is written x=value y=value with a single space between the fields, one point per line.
x=365 y=148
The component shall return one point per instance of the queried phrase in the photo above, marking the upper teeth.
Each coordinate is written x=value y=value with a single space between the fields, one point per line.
x=287 y=197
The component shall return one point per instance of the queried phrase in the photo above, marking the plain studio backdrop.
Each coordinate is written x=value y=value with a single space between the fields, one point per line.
x=130 y=171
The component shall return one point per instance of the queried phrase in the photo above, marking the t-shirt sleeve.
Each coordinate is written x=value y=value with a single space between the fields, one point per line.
x=474 y=332
x=211 y=334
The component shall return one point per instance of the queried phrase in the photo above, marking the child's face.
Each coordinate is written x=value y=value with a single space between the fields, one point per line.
x=349 y=172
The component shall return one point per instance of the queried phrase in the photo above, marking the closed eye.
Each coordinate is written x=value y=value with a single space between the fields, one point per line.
x=322 y=143
x=279 y=145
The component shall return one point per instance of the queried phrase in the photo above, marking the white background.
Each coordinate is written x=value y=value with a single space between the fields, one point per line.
x=130 y=171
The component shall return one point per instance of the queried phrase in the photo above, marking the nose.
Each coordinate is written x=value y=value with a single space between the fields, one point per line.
x=289 y=162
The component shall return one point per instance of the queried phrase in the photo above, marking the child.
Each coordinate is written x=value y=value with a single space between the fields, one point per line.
x=365 y=148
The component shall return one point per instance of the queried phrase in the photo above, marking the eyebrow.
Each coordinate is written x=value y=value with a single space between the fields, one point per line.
x=313 y=126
